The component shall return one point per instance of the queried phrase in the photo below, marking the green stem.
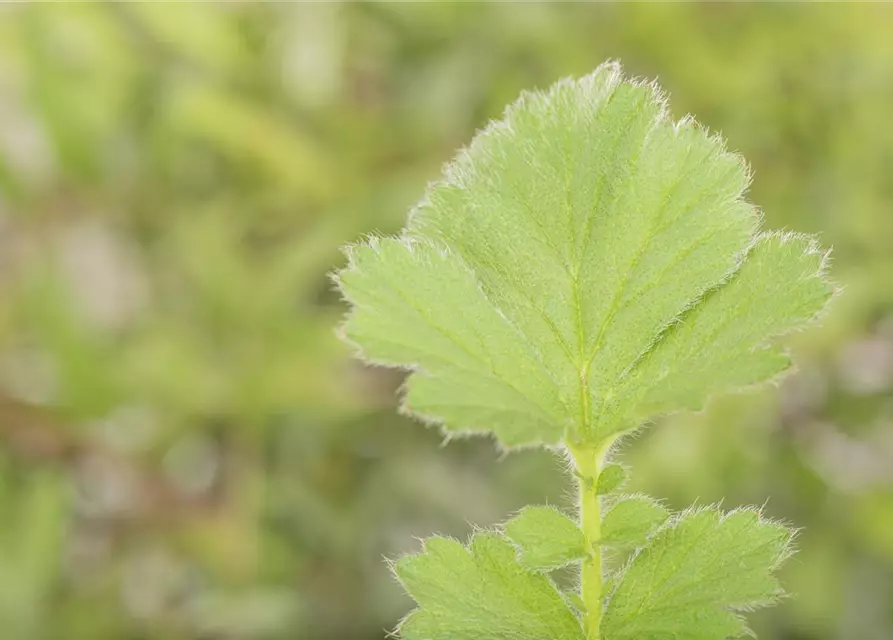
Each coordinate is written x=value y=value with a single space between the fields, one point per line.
x=589 y=464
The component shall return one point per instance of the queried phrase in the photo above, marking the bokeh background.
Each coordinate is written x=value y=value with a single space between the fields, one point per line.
x=186 y=450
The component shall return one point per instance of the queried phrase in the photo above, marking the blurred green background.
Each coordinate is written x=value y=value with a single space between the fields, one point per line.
x=188 y=453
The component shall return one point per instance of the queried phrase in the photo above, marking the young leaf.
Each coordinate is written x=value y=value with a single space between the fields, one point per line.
x=547 y=538
x=583 y=264
x=631 y=520
x=576 y=601
x=694 y=574
x=611 y=478
x=481 y=592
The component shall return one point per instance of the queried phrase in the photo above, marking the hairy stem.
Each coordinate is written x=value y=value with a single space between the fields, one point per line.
x=591 y=572
x=589 y=463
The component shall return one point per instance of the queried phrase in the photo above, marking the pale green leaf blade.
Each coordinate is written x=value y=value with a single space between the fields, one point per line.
x=610 y=479
x=480 y=591
x=725 y=341
x=547 y=539
x=414 y=306
x=576 y=601
x=693 y=577
x=631 y=520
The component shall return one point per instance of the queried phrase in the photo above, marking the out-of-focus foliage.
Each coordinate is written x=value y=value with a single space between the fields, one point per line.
x=187 y=452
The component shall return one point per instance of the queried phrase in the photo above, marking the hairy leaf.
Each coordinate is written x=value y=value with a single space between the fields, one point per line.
x=481 y=592
x=547 y=538
x=631 y=520
x=694 y=574
x=611 y=478
x=584 y=264
x=717 y=343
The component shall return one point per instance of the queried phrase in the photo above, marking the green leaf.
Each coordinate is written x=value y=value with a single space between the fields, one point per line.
x=575 y=600
x=547 y=538
x=692 y=577
x=631 y=520
x=584 y=264
x=612 y=477
x=481 y=592
x=722 y=342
